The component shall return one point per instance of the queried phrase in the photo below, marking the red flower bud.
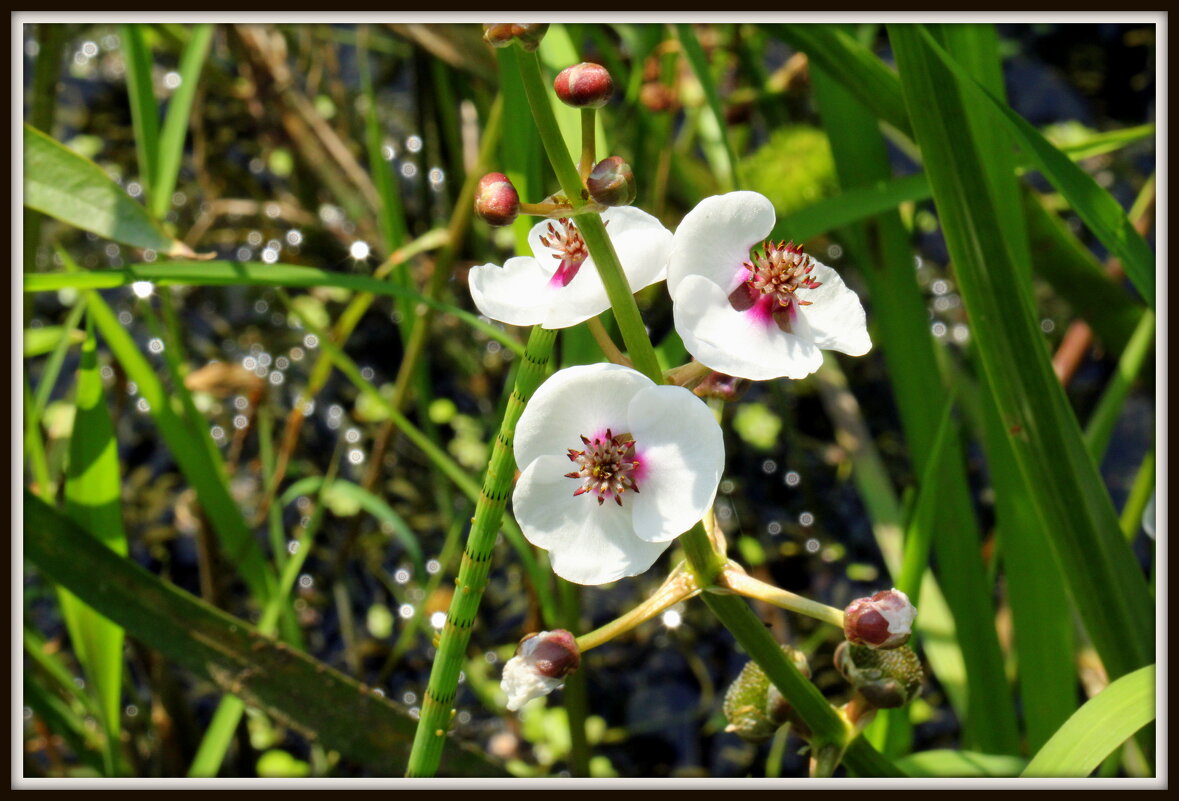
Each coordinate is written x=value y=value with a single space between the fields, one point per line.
x=883 y=621
x=611 y=182
x=541 y=662
x=496 y=200
x=584 y=86
x=504 y=33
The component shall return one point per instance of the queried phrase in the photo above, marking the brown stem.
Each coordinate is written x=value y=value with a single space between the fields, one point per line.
x=609 y=349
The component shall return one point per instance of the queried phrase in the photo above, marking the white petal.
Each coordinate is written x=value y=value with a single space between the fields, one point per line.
x=835 y=316
x=576 y=401
x=587 y=543
x=642 y=243
x=515 y=293
x=738 y=343
x=683 y=454
x=714 y=239
x=522 y=682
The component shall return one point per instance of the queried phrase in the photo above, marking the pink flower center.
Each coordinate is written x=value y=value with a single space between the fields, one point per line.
x=564 y=238
x=770 y=290
x=607 y=467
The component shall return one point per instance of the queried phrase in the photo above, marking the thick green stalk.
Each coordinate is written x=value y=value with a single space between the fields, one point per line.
x=438 y=700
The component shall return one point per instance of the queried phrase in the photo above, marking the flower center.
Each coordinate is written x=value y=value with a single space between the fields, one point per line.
x=606 y=467
x=775 y=276
x=564 y=238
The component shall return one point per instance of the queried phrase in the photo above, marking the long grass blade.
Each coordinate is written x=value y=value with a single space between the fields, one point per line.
x=92 y=501
x=1072 y=501
x=145 y=115
x=233 y=273
x=1105 y=721
x=171 y=142
x=290 y=686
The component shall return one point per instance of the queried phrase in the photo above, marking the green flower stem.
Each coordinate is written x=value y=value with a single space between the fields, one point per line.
x=679 y=586
x=593 y=231
x=438 y=700
x=602 y=337
x=737 y=580
x=588 y=143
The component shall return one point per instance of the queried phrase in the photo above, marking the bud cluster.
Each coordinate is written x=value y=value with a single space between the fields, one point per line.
x=754 y=707
x=885 y=678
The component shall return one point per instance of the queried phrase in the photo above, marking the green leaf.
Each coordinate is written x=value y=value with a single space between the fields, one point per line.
x=1068 y=493
x=75 y=190
x=171 y=143
x=233 y=273
x=960 y=764
x=92 y=501
x=1105 y=721
x=293 y=688
x=40 y=341
x=145 y=115
x=1095 y=206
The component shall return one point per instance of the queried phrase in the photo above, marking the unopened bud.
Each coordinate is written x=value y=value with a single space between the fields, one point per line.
x=496 y=200
x=722 y=386
x=885 y=678
x=584 y=85
x=753 y=706
x=611 y=182
x=883 y=621
x=504 y=33
x=541 y=663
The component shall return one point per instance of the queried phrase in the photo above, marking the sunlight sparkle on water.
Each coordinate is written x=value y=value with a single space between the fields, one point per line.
x=359 y=250
x=142 y=289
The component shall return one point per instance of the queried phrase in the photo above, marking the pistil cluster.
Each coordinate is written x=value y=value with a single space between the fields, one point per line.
x=606 y=466
x=570 y=247
x=776 y=273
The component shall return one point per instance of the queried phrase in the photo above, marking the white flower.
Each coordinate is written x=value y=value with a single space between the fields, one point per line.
x=541 y=663
x=561 y=286
x=614 y=468
x=756 y=317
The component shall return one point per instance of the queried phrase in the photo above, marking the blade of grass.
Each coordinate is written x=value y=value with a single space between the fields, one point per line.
x=391 y=215
x=314 y=699
x=1099 y=431
x=900 y=318
x=1041 y=615
x=1105 y=722
x=1094 y=205
x=717 y=148
x=216 y=740
x=145 y=115
x=92 y=501
x=1071 y=500
x=947 y=763
x=170 y=147
x=205 y=475
x=1141 y=492
x=232 y=273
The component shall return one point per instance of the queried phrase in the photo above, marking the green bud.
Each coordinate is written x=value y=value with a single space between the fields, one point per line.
x=753 y=706
x=886 y=678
